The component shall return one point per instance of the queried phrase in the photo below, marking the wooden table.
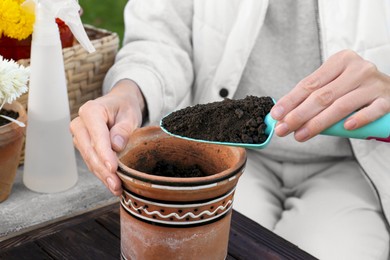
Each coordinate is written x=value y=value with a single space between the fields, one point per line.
x=96 y=235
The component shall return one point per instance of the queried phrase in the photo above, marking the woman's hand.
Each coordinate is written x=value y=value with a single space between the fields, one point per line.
x=343 y=84
x=103 y=128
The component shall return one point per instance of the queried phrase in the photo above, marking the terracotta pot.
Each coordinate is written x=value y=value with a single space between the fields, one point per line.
x=173 y=217
x=11 y=142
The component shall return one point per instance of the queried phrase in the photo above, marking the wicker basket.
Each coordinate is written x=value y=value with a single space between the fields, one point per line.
x=85 y=71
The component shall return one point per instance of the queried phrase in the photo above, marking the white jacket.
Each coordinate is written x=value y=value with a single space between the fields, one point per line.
x=183 y=52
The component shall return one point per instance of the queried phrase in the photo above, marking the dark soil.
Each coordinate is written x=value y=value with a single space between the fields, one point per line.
x=9 y=113
x=166 y=169
x=234 y=121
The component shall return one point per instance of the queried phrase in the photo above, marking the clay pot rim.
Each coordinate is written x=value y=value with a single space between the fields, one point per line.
x=126 y=172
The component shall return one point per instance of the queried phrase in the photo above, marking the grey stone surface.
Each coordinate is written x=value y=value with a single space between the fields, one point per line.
x=25 y=209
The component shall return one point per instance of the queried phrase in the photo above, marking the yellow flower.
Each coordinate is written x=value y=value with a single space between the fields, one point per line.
x=16 y=19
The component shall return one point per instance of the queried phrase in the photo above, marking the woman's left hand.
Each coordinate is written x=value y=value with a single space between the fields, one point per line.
x=343 y=84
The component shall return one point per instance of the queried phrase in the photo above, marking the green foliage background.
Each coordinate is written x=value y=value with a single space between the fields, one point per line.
x=107 y=14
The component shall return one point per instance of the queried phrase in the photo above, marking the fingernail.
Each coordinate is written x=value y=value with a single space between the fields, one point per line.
x=350 y=124
x=111 y=184
x=108 y=166
x=277 y=112
x=119 y=141
x=302 y=134
x=282 y=129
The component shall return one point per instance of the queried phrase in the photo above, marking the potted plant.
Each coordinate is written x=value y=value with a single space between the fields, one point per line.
x=16 y=27
x=178 y=196
x=13 y=83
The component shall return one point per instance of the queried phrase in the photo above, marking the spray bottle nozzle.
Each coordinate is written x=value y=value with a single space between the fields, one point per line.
x=68 y=11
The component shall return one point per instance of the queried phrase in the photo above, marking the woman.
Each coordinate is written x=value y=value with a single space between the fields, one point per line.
x=321 y=60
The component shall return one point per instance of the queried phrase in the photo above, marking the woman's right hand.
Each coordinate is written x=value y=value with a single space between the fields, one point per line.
x=103 y=127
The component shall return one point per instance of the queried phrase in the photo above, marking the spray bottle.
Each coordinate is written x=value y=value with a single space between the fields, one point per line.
x=50 y=161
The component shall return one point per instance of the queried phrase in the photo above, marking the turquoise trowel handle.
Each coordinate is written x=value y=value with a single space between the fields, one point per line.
x=379 y=129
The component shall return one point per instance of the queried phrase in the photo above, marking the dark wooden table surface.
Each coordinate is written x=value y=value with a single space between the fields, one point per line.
x=96 y=235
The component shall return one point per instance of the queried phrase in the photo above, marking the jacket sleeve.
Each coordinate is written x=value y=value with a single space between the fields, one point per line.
x=156 y=53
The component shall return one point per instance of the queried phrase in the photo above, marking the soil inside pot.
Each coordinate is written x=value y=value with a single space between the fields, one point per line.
x=167 y=169
x=8 y=113
x=235 y=121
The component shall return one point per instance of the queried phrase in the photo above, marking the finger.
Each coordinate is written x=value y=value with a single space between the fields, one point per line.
x=125 y=124
x=79 y=132
x=81 y=139
x=95 y=120
x=326 y=73
x=341 y=108
x=368 y=114
x=109 y=179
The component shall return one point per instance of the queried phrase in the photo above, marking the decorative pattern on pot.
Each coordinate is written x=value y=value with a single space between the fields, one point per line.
x=169 y=213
